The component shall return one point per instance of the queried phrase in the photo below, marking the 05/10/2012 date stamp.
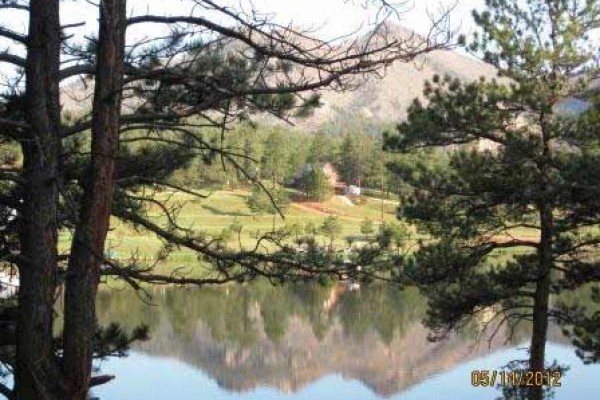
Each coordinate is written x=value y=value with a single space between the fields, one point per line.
x=491 y=378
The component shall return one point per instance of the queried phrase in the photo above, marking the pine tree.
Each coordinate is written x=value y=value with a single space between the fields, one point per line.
x=350 y=160
x=523 y=177
x=274 y=157
x=331 y=228
x=322 y=149
x=317 y=185
x=151 y=104
x=259 y=201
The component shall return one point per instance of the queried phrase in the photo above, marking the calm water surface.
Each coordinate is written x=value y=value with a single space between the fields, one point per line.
x=307 y=342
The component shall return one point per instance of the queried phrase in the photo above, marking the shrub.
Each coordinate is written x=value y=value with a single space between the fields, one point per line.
x=331 y=227
x=367 y=227
x=392 y=233
x=260 y=203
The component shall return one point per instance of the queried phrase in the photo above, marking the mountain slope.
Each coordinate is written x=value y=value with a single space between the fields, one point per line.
x=386 y=100
x=378 y=101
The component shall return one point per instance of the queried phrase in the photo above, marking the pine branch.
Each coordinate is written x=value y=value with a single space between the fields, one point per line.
x=12 y=35
x=13 y=5
x=7 y=392
x=12 y=59
x=100 y=380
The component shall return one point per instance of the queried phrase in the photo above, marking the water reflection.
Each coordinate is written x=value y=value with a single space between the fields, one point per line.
x=289 y=338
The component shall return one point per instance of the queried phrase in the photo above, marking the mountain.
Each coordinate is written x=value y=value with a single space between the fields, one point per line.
x=384 y=101
x=299 y=357
x=378 y=101
x=287 y=337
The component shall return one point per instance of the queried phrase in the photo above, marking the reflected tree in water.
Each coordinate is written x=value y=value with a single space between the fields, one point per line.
x=513 y=209
x=214 y=66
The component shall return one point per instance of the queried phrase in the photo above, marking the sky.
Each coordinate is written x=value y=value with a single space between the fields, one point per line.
x=333 y=17
x=330 y=18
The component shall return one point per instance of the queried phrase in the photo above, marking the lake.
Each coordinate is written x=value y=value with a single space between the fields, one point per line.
x=304 y=341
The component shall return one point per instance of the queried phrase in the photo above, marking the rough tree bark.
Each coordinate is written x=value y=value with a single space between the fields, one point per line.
x=36 y=372
x=537 y=351
x=94 y=215
x=39 y=373
x=541 y=301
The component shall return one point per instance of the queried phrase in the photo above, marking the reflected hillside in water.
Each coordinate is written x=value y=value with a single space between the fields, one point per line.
x=258 y=335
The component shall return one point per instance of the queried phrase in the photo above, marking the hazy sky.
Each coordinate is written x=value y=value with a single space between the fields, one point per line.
x=332 y=17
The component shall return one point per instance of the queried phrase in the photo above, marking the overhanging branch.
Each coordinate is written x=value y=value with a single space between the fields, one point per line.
x=8 y=58
x=12 y=35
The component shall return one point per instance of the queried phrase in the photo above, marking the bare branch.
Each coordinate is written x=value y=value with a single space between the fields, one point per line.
x=12 y=35
x=17 y=61
x=100 y=380
x=13 y=5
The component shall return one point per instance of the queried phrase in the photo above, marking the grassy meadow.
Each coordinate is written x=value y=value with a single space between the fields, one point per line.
x=213 y=216
x=222 y=208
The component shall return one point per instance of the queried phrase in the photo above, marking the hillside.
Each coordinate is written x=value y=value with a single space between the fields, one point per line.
x=384 y=101
x=378 y=101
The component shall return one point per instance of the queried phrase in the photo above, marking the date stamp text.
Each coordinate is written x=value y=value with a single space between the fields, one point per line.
x=492 y=378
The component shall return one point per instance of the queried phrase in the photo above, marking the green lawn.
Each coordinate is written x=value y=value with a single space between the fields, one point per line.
x=223 y=208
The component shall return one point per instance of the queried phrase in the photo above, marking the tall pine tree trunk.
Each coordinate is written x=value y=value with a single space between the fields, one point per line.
x=541 y=302
x=541 y=299
x=36 y=374
x=94 y=218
